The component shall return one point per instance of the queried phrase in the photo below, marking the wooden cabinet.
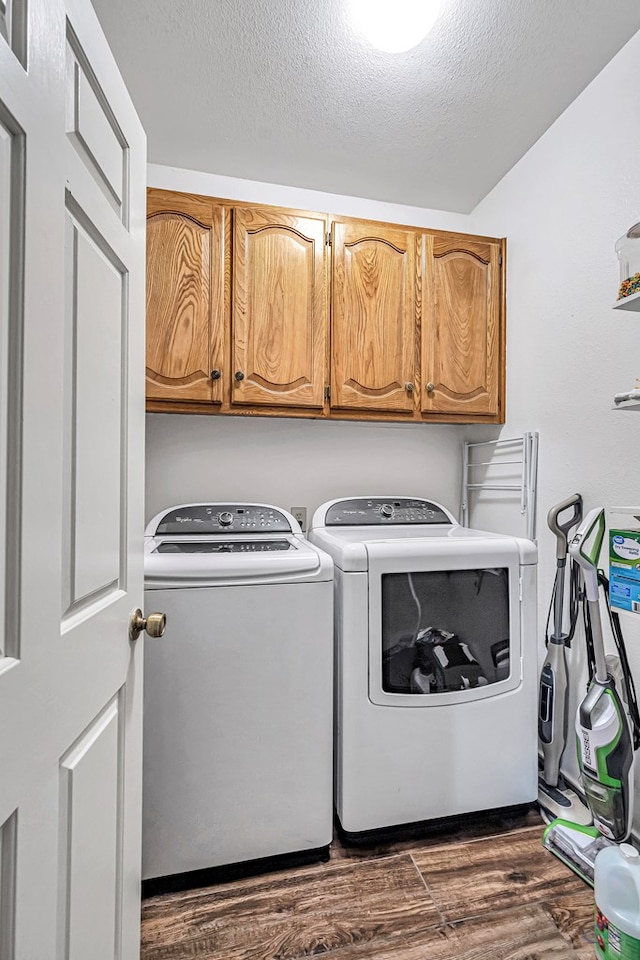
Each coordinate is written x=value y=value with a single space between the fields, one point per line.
x=185 y=297
x=462 y=331
x=279 y=317
x=373 y=326
x=245 y=315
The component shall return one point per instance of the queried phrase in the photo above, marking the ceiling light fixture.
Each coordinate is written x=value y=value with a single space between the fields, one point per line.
x=394 y=25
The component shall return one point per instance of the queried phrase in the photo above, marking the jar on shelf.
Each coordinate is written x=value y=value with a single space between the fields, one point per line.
x=628 y=250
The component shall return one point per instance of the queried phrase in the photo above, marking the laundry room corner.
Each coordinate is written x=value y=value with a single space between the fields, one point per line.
x=563 y=206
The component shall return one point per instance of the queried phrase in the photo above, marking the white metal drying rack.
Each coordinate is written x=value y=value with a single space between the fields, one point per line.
x=524 y=455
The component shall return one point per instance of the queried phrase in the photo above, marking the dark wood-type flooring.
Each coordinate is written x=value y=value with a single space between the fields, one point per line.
x=485 y=888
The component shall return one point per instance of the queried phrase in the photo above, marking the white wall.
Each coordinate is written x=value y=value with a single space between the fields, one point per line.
x=252 y=191
x=297 y=462
x=562 y=207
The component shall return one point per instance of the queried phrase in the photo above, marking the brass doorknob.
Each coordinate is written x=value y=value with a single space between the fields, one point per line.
x=431 y=387
x=154 y=624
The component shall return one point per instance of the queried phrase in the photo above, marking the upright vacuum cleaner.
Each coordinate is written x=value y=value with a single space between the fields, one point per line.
x=603 y=723
x=555 y=797
x=607 y=724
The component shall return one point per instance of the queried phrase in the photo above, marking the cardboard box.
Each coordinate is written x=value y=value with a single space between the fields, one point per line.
x=624 y=569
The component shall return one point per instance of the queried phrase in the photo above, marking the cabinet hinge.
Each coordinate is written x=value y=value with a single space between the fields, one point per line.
x=328 y=237
x=327 y=393
x=500 y=260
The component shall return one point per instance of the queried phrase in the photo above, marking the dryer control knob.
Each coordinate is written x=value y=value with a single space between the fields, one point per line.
x=225 y=518
x=386 y=510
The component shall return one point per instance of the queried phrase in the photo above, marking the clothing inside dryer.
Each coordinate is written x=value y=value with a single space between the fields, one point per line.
x=445 y=630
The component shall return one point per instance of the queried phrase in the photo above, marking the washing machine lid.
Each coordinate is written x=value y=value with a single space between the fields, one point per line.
x=412 y=528
x=196 y=544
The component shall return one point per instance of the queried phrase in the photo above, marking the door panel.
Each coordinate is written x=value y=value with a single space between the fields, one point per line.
x=279 y=316
x=12 y=182
x=8 y=834
x=95 y=329
x=90 y=822
x=373 y=316
x=93 y=129
x=13 y=27
x=71 y=491
x=185 y=297
x=462 y=329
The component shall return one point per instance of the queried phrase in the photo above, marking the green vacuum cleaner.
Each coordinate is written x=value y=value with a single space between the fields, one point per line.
x=607 y=726
x=603 y=726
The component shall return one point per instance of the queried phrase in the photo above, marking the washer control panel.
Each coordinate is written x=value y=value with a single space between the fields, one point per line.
x=223 y=546
x=208 y=518
x=373 y=511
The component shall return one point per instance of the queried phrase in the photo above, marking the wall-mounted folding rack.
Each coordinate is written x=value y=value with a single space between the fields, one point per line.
x=506 y=467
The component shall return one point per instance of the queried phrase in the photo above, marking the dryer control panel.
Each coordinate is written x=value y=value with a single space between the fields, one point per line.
x=211 y=518
x=374 y=511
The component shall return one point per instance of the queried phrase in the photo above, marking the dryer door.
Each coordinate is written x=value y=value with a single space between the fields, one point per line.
x=444 y=621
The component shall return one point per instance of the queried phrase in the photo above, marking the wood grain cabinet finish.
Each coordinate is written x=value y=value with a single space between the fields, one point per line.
x=462 y=350
x=416 y=328
x=185 y=297
x=373 y=330
x=279 y=320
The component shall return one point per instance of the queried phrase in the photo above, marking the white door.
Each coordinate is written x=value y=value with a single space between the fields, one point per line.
x=72 y=178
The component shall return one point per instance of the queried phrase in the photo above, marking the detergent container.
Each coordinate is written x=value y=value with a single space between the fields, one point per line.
x=617 y=893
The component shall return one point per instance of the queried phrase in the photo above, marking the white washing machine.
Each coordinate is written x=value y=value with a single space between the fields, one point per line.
x=436 y=663
x=238 y=704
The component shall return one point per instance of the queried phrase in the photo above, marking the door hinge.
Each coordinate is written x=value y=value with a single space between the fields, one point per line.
x=520 y=589
x=328 y=237
x=500 y=260
x=327 y=393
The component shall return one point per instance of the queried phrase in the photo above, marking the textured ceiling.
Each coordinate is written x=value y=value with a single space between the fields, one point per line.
x=283 y=91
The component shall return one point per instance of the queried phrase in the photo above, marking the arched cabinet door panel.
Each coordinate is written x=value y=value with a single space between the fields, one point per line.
x=374 y=316
x=462 y=326
x=279 y=308
x=185 y=297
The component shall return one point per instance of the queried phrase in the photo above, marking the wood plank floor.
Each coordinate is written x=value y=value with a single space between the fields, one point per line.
x=482 y=888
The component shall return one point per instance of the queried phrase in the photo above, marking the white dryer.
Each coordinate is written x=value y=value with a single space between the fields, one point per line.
x=238 y=704
x=436 y=663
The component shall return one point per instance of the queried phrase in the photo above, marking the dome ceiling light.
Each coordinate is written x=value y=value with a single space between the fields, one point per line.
x=394 y=25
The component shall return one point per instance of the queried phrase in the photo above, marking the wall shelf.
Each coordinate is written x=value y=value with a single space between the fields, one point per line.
x=628 y=251
x=627 y=401
x=628 y=303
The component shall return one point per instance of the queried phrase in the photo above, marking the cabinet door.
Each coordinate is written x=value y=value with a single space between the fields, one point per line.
x=462 y=326
x=373 y=331
x=279 y=311
x=185 y=297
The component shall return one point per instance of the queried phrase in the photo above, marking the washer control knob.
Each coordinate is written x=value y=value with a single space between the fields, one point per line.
x=225 y=518
x=386 y=510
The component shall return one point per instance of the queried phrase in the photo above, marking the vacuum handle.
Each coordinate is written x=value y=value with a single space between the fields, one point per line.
x=561 y=530
x=585 y=550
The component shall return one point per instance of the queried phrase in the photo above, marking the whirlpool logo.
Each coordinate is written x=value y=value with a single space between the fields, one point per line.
x=586 y=747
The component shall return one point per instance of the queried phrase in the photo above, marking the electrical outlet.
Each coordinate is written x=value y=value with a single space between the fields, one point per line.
x=300 y=513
